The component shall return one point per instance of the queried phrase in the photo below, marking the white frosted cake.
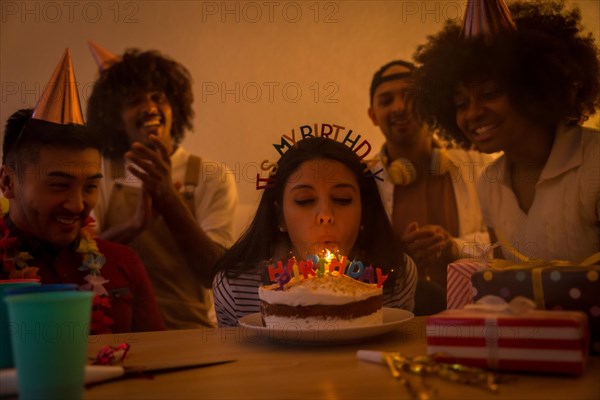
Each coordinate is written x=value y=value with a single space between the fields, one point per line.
x=326 y=302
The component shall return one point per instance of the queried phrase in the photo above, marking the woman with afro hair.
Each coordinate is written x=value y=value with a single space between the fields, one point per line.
x=524 y=91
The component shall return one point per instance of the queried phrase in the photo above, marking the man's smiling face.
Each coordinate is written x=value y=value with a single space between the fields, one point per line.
x=148 y=114
x=53 y=196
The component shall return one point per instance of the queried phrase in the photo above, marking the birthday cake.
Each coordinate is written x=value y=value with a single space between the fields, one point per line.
x=328 y=301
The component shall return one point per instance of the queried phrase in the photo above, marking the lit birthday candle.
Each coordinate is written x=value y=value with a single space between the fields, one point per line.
x=295 y=268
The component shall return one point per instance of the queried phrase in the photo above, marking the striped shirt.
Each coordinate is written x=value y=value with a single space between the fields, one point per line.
x=237 y=296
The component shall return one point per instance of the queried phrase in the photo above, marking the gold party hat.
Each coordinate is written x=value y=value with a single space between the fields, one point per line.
x=486 y=18
x=103 y=57
x=59 y=103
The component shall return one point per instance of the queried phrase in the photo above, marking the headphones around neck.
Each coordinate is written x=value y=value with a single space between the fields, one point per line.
x=402 y=172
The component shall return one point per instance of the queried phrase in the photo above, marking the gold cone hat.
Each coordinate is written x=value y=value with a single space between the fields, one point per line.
x=486 y=18
x=59 y=103
x=103 y=57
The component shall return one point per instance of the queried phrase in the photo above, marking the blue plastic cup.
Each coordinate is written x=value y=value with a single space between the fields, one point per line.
x=51 y=287
x=6 y=358
x=49 y=332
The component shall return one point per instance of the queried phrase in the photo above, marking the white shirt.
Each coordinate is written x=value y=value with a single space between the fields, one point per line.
x=563 y=221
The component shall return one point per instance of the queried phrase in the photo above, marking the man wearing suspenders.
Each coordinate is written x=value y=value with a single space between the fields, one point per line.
x=174 y=208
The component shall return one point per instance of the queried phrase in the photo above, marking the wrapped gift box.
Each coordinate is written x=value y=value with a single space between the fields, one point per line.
x=459 y=289
x=535 y=341
x=551 y=287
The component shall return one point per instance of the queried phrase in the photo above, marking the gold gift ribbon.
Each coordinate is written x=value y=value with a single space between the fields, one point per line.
x=537 y=266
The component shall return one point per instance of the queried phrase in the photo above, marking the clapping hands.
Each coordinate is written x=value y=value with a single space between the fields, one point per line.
x=152 y=165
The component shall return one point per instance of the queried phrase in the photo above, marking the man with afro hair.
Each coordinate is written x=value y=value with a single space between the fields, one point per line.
x=174 y=208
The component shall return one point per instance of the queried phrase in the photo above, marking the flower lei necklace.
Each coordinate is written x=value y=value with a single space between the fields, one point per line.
x=93 y=260
x=16 y=264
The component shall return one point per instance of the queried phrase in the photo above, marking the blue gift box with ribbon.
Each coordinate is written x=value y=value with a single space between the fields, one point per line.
x=551 y=285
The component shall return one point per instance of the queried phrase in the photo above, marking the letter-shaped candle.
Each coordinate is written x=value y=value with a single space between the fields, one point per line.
x=380 y=277
x=368 y=275
x=283 y=279
x=337 y=267
x=275 y=272
x=356 y=269
x=307 y=268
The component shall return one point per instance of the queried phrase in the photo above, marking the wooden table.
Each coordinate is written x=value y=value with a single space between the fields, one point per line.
x=272 y=370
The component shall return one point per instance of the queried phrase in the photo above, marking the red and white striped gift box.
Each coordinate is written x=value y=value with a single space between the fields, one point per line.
x=459 y=289
x=535 y=341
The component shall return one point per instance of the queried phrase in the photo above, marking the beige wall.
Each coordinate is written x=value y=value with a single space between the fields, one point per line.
x=260 y=68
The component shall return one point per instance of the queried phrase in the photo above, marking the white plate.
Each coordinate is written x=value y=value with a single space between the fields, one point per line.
x=392 y=319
